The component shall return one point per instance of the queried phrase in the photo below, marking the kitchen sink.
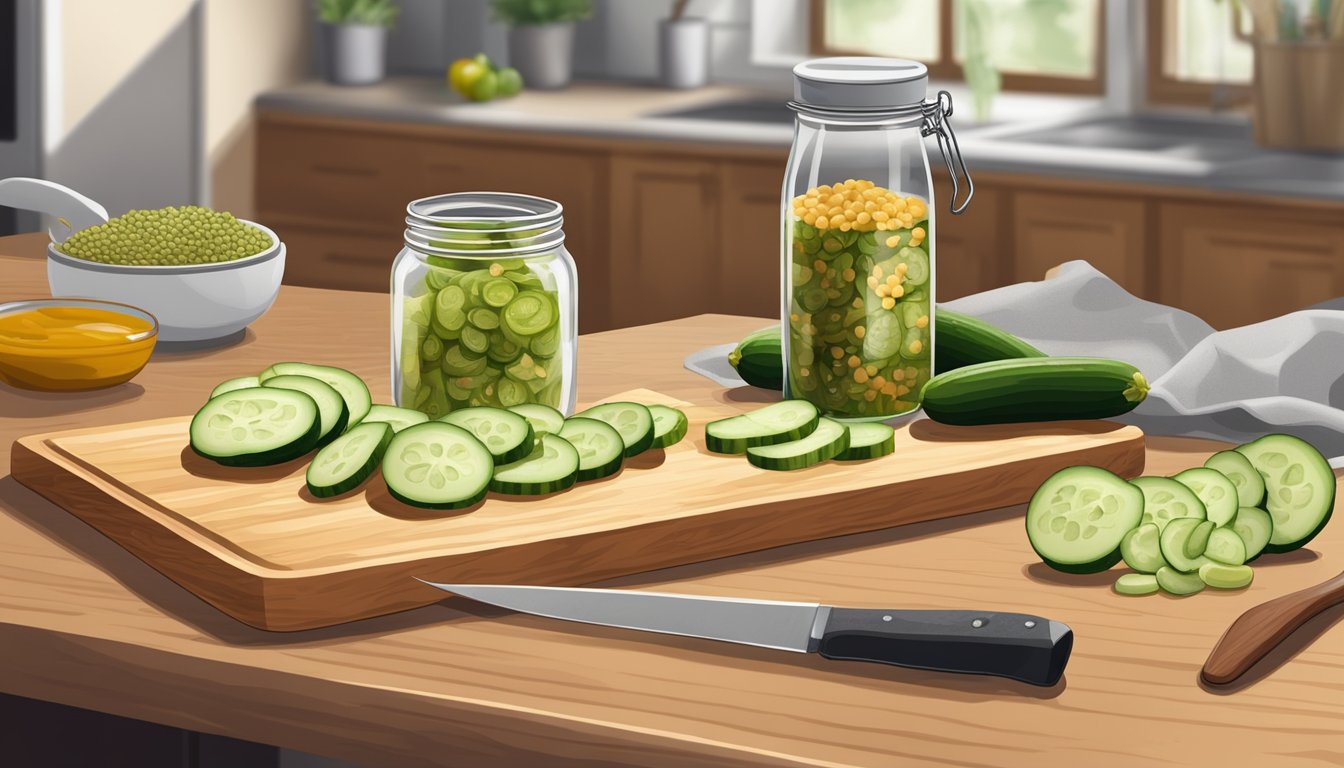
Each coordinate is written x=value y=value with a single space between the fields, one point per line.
x=1192 y=139
x=769 y=111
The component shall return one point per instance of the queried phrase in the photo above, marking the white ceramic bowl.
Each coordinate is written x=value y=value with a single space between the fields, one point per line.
x=197 y=302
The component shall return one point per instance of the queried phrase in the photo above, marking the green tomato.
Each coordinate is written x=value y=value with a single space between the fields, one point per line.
x=484 y=61
x=510 y=82
x=485 y=88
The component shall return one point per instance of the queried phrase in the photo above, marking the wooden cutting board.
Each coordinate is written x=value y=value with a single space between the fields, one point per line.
x=255 y=544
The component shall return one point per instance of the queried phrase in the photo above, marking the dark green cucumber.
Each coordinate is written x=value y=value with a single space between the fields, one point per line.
x=346 y=462
x=963 y=340
x=759 y=359
x=1034 y=389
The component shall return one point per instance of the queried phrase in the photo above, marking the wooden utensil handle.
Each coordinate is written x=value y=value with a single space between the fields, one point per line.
x=1257 y=631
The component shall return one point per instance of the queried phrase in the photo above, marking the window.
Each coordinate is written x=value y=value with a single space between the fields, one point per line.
x=1041 y=45
x=1195 y=56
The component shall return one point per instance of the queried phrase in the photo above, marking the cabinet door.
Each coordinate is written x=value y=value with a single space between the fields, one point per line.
x=972 y=253
x=749 y=255
x=1232 y=269
x=324 y=257
x=664 y=240
x=1108 y=232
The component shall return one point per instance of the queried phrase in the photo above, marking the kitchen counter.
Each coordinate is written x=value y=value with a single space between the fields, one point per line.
x=1219 y=155
x=86 y=624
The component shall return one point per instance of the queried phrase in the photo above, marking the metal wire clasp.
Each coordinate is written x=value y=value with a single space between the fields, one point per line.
x=936 y=123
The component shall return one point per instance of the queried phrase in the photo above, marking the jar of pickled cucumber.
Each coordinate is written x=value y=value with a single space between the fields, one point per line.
x=484 y=305
x=858 y=242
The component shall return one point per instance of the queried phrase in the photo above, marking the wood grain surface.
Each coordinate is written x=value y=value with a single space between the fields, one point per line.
x=85 y=623
x=254 y=543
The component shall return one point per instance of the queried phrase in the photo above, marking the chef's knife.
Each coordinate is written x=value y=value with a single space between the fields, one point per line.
x=1015 y=645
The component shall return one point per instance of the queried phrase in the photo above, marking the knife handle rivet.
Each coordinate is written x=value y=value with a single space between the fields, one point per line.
x=1030 y=624
x=978 y=623
x=886 y=618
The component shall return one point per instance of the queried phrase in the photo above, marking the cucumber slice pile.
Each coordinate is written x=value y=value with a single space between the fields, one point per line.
x=396 y=418
x=437 y=466
x=827 y=441
x=332 y=414
x=777 y=423
x=349 y=460
x=1078 y=517
x=505 y=434
x=633 y=421
x=256 y=427
x=552 y=466
x=450 y=463
x=1197 y=529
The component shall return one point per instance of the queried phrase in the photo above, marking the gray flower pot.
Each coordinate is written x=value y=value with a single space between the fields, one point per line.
x=683 y=52
x=543 y=54
x=353 y=54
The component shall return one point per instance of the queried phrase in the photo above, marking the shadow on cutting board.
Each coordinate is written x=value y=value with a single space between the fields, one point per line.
x=933 y=432
x=29 y=404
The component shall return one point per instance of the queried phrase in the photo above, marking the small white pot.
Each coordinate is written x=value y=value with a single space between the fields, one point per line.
x=354 y=54
x=683 y=52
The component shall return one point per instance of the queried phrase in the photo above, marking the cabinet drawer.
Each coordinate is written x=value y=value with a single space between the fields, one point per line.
x=319 y=174
x=749 y=251
x=1108 y=232
x=322 y=258
x=1232 y=269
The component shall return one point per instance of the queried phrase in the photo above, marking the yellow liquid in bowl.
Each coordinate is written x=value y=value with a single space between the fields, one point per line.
x=66 y=349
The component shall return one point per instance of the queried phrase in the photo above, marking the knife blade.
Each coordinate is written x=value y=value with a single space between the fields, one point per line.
x=1013 y=645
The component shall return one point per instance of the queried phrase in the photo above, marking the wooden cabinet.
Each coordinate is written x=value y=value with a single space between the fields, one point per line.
x=661 y=230
x=1231 y=268
x=1108 y=231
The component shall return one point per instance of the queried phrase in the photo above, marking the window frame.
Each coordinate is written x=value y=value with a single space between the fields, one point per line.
x=947 y=68
x=1165 y=90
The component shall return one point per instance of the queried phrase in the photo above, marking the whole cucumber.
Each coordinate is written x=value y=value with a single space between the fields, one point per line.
x=759 y=359
x=1034 y=389
x=964 y=340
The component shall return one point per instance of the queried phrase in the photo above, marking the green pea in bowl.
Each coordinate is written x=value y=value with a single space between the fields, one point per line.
x=194 y=302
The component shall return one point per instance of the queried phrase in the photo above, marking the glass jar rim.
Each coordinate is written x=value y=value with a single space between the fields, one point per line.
x=484 y=224
x=886 y=116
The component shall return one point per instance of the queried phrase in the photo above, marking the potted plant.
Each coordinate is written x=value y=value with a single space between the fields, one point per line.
x=683 y=48
x=541 y=38
x=354 y=38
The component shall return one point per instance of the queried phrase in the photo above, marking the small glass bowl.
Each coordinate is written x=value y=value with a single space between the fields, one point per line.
x=108 y=356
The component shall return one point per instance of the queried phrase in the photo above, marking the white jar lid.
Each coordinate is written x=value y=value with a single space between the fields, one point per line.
x=860 y=82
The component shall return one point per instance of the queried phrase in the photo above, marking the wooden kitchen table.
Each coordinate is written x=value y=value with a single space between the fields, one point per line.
x=84 y=623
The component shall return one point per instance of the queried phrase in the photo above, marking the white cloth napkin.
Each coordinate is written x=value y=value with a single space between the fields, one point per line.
x=1281 y=375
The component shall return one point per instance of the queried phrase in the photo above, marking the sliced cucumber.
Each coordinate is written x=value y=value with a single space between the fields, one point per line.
x=1141 y=549
x=256 y=427
x=437 y=466
x=1254 y=527
x=1173 y=543
x=828 y=440
x=1226 y=547
x=1198 y=540
x=1177 y=583
x=396 y=418
x=242 y=382
x=776 y=423
x=669 y=425
x=600 y=447
x=1237 y=468
x=1214 y=489
x=332 y=413
x=869 y=440
x=505 y=434
x=350 y=386
x=1136 y=584
x=1299 y=488
x=552 y=466
x=1165 y=500
x=345 y=463
x=543 y=418
x=1078 y=517
x=632 y=420
x=1221 y=576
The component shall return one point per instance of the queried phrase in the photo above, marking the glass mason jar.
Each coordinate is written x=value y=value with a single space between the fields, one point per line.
x=858 y=235
x=484 y=305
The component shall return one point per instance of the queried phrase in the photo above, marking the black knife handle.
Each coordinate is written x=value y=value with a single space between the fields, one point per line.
x=1015 y=645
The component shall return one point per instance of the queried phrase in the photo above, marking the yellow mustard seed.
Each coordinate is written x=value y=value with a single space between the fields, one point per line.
x=893 y=281
x=877 y=382
x=881 y=290
x=863 y=217
x=870 y=395
x=871 y=369
x=853 y=361
x=822 y=222
x=837 y=352
x=918 y=233
x=877 y=273
x=804 y=373
x=496 y=270
x=888 y=302
x=793 y=316
x=916 y=347
x=859 y=331
x=818 y=266
x=898 y=374
x=893 y=241
x=898 y=292
x=848 y=275
x=861 y=376
x=902 y=390
x=922 y=322
x=889 y=389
